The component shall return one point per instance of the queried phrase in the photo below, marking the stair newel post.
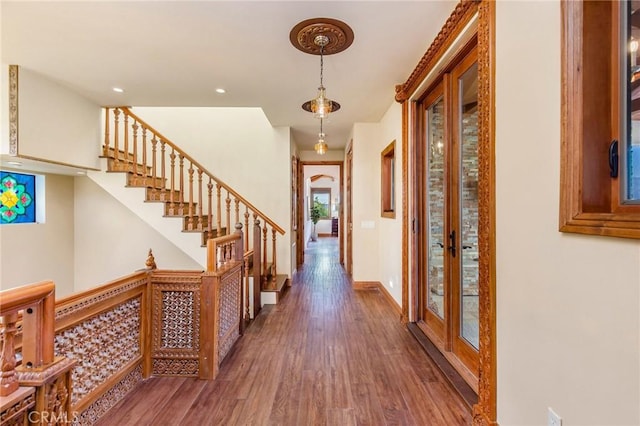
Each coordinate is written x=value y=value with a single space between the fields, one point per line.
x=116 y=135
x=210 y=208
x=172 y=193
x=181 y=184
x=200 y=200
x=257 y=267
x=135 y=147
x=238 y=256
x=247 y=311
x=264 y=250
x=191 y=210
x=126 y=138
x=273 y=256
x=163 y=166
x=246 y=226
x=228 y=203
x=219 y=209
x=105 y=148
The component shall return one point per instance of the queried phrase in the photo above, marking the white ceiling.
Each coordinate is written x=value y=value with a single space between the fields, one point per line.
x=177 y=53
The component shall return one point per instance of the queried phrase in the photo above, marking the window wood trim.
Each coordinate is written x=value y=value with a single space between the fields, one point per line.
x=589 y=198
x=387 y=184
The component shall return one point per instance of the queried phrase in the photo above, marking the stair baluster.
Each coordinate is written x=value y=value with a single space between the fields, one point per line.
x=181 y=174
x=200 y=201
x=219 y=209
x=172 y=184
x=107 y=139
x=126 y=138
x=228 y=202
x=163 y=162
x=144 y=150
x=135 y=147
x=210 y=207
x=154 y=152
x=190 y=214
x=246 y=226
x=273 y=255
x=116 y=136
x=264 y=250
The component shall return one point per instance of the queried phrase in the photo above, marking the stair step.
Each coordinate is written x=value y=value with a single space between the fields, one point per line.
x=124 y=165
x=180 y=210
x=155 y=194
x=192 y=223
x=278 y=285
x=145 y=181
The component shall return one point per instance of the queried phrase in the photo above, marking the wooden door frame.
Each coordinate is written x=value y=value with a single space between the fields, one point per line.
x=481 y=12
x=349 y=213
x=301 y=213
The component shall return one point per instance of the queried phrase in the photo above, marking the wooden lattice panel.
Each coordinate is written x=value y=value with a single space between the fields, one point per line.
x=102 y=345
x=229 y=310
x=175 y=327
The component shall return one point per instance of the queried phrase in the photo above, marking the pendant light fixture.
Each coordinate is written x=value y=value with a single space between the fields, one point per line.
x=321 y=36
x=322 y=106
x=321 y=146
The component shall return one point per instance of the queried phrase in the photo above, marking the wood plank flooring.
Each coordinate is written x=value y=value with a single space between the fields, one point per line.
x=325 y=355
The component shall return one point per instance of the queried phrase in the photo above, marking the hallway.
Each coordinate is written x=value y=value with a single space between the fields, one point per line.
x=326 y=355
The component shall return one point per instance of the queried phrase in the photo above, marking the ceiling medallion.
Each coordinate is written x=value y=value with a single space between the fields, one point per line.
x=339 y=35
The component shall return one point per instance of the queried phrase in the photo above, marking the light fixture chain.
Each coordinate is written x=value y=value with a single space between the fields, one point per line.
x=321 y=64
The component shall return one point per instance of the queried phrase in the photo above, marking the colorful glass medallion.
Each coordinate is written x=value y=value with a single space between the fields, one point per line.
x=17 y=198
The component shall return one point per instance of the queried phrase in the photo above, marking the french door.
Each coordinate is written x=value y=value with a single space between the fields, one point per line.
x=448 y=267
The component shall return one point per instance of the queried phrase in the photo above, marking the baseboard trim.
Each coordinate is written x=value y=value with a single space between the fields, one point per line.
x=377 y=285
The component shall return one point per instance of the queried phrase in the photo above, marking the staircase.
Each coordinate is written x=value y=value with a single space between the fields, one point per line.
x=164 y=183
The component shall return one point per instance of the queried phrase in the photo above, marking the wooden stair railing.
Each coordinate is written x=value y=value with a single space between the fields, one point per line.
x=108 y=339
x=188 y=189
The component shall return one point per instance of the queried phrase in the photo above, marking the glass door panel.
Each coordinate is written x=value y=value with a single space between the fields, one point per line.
x=448 y=241
x=468 y=97
x=435 y=208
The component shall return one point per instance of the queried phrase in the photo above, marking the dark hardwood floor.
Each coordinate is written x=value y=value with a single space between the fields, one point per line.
x=325 y=355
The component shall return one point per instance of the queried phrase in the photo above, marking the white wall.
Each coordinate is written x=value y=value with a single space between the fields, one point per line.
x=240 y=147
x=568 y=306
x=56 y=124
x=111 y=242
x=366 y=202
x=390 y=230
x=36 y=252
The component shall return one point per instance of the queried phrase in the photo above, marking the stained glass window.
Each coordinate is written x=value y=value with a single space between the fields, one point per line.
x=17 y=198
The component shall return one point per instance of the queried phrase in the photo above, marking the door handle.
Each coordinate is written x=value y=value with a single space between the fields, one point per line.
x=452 y=243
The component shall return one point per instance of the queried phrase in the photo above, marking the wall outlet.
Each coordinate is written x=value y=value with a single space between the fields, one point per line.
x=553 y=418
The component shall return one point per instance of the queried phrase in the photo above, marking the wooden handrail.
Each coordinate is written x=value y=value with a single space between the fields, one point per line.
x=128 y=112
x=13 y=300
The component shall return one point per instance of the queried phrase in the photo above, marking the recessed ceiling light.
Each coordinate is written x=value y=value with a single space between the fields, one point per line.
x=80 y=173
x=220 y=90
x=14 y=163
x=118 y=90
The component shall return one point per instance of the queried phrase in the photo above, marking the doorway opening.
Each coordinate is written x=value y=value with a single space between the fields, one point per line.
x=320 y=189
